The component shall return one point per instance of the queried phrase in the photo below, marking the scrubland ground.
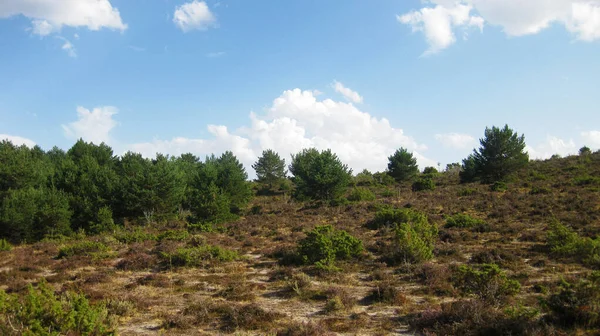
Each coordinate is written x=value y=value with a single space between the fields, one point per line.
x=514 y=264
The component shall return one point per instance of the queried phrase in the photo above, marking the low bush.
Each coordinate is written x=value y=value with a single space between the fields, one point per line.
x=232 y=317
x=389 y=293
x=423 y=183
x=413 y=236
x=198 y=256
x=466 y=192
x=499 y=186
x=42 y=312
x=487 y=281
x=577 y=303
x=462 y=221
x=540 y=191
x=564 y=242
x=175 y=235
x=475 y=317
x=84 y=248
x=587 y=181
x=5 y=245
x=323 y=245
x=361 y=194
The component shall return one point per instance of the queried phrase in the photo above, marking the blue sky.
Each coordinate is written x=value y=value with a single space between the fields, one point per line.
x=360 y=77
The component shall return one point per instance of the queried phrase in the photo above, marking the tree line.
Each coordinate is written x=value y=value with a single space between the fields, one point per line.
x=88 y=187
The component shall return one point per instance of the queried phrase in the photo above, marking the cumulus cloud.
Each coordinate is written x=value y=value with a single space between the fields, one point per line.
x=93 y=126
x=591 y=138
x=194 y=15
x=298 y=119
x=350 y=95
x=49 y=16
x=440 y=18
x=17 y=140
x=455 y=140
x=440 y=22
x=552 y=145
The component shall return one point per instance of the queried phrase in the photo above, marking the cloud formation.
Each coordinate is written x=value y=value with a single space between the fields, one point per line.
x=591 y=139
x=440 y=22
x=298 y=119
x=456 y=140
x=17 y=140
x=194 y=15
x=92 y=126
x=350 y=95
x=552 y=145
x=439 y=19
x=49 y=16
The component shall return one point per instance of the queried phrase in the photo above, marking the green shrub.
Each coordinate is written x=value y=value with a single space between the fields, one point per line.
x=487 y=281
x=84 y=248
x=414 y=243
x=499 y=186
x=430 y=171
x=340 y=201
x=540 y=191
x=423 y=184
x=390 y=217
x=577 y=304
x=387 y=192
x=361 y=194
x=565 y=242
x=135 y=236
x=41 y=312
x=462 y=221
x=5 y=245
x=198 y=256
x=324 y=244
x=537 y=176
x=175 y=235
x=587 y=181
x=467 y=192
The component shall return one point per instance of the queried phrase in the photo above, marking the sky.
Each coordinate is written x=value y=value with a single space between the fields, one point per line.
x=362 y=78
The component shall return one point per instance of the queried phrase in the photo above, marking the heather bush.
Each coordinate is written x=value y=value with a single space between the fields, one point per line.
x=323 y=245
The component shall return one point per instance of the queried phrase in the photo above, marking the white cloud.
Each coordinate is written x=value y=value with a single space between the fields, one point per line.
x=194 y=15
x=68 y=47
x=456 y=140
x=552 y=145
x=440 y=18
x=350 y=95
x=93 y=126
x=48 y=16
x=297 y=120
x=439 y=23
x=591 y=138
x=17 y=140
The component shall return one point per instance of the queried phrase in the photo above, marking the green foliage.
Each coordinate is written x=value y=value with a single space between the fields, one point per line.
x=466 y=192
x=137 y=235
x=413 y=242
x=499 y=186
x=431 y=171
x=5 y=245
x=42 y=312
x=21 y=168
x=565 y=242
x=30 y=214
x=220 y=189
x=83 y=248
x=361 y=194
x=198 y=256
x=487 y=281
x=402 y=166
x=364 y=178
x=502 y=152
x=383 y=178
x=174 y=235
x=576 y=304
x=584 y=151
x=390 y=217
x=270 y=168
x=104 y=221
x=323 y=245
x=319 y=175
x=587 y=181
x=423 y=183
x=463 y=221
